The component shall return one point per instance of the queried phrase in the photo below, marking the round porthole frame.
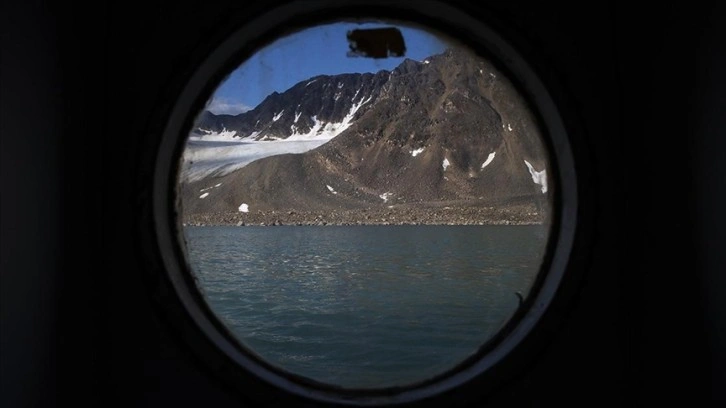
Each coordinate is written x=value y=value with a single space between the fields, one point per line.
x=209 y=337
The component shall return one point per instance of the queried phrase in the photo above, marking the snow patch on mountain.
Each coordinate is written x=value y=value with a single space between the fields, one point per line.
x=489 y=159
x=327 y=131
x=538 y=177
x=215 y=136
x=209 y=188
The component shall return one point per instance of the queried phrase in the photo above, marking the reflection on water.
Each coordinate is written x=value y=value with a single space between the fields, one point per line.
x=370 y=306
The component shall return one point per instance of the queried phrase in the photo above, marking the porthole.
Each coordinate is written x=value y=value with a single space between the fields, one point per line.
x=355 y=229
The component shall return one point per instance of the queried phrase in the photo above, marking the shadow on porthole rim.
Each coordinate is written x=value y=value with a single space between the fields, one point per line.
x=501 y=356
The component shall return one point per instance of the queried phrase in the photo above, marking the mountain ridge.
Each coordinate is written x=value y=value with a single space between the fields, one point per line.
x=448 y=128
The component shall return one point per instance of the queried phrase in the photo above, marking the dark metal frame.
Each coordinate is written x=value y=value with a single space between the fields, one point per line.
x=178 y=292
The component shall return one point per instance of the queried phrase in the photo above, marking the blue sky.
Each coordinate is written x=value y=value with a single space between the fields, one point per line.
x=314 y=51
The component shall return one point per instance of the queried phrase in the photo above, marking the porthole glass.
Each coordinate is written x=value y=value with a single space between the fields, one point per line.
x=366 y=222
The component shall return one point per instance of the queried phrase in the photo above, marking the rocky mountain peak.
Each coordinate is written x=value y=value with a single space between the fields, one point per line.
x=408 y=66
x=450 y=128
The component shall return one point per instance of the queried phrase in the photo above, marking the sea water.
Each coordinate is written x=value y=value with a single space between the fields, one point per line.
x=365 y=306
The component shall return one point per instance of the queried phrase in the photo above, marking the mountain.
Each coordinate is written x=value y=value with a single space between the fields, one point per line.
x=450 y=128
x=312 y=108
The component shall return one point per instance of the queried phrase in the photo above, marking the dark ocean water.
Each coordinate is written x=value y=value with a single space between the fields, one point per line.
x=365 y=306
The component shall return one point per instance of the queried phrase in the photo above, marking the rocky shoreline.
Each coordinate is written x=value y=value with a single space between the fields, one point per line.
x=404 y=215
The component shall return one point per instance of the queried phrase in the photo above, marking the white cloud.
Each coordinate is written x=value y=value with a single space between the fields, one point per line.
x=224 y=106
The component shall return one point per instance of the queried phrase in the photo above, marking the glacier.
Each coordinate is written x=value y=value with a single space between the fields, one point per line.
x=220 y=153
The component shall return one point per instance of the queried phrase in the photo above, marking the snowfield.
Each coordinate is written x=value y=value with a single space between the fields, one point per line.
x=220 y=153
